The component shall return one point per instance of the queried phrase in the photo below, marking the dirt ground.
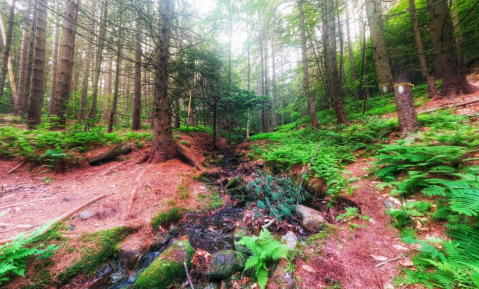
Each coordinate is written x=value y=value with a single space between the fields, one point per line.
x=31 y=198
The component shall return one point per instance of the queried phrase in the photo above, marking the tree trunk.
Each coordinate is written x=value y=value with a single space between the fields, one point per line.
x=86 y=67
x=454 y=81
x=108 y=87
x=31 y=54
x=374 y=13
x=215 y=120
x=458 y=37
x=307 y=93
x=22 y=81
x=420 y=51
x=163 y=147
x=38 y=75
x=406 y=110
x=99 y=56
x=66 y=62
x=114 y=105
x=266 y=89
x=273 y=99
x=53 y=85
x=331 y=62
x=7 y=37
x=351 y=56
x=137 y=101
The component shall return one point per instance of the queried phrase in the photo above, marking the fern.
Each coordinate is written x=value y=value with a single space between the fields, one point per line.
x=264 y=251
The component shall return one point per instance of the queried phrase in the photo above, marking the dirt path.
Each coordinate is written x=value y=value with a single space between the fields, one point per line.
x=41 y=197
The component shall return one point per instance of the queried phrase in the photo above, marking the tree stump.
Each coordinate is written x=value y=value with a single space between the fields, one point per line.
x=112 y=153
x=406 y=109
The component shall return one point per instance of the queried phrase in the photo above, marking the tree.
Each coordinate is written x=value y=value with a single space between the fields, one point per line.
x=454 y=81
x=56 y=36
x=114 y=105
x=86 y=68
x=406 y=109
x=22 y=81
x=6 y=60
x=384 y=76
x=431 y=87
x=38 y=75
x=59 y=102
x=351 y=55
x=137 y=100
x=307 y=92
x=163 y=147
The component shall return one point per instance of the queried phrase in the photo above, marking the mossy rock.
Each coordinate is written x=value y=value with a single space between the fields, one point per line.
x=168 y=267
x=238 y=234
x=234 y=183
x=224 y=264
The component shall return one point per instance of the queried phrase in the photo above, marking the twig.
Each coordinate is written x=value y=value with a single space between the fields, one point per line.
x=15 y=188
x=12 y=170
x=112 y=168
x=188 y=276
x=12 y=205
x=389 y=261
x=269 y=224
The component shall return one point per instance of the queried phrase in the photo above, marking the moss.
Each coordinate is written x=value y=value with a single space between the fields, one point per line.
x=234 y=183
x=328 y=230
x=162 y=218
x=54 y=233
x=98 y=248
x=184 y=191
x=167 y=268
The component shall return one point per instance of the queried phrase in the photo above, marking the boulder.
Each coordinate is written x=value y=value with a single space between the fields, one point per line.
x=112 y=153
x=168 y=267
x=224 y=264
x=310 y=218
x=239 y=233
x=130 y=252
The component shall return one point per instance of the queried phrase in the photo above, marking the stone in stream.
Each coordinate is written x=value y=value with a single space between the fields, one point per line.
x=168 y=267
x=130 y=252
x=310 y=218
x=224 y=264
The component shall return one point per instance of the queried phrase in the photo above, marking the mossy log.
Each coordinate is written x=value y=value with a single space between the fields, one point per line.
x=112 y=153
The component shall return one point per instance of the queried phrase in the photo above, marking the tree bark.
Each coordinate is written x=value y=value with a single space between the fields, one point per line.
x=114 y=104
x=331 y=62
x=99 y=56
x=56 y=35
x=432 y=92
x=351 y=56
x=108 y=87
x=454 y=81
x=458 y=37
x=38 y=74
x=86 y=67
x=307 y=92
x=273 y=99
x=22 y=81
x=31 y=55
x=374 y=13
x=6 y=62
x=137 y=101
x=66 y=62
x=406 y=109
x=163 y=147
x=266 y=88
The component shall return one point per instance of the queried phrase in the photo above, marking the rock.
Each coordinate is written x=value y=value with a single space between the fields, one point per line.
x=290 y=239
x=112 y=153
x=168 y=267
x=388 y=204
x=224 y=264
x=239 y=233
x=210 y=285
x=282 y=277
x=157 y=241
x=130 y=252
x=87 y=214
x=310 y=217
x=102 y=277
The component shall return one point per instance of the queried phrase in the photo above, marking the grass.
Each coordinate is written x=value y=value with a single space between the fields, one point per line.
x=164 y=217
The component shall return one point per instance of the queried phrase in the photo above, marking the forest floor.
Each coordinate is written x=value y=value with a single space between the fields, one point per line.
x=33 y=196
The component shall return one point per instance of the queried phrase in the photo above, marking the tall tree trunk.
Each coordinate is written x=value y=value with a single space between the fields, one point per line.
x=406 y=110
x=215 y=120
x=420 y=51
x=384 y=76
x=454 y=81
x=66 y=62
x=6 y=61
x=31 y=55
x=99 y=56
x=38 y=75
x=163 y=147
x=307 y=92
x=273 y=99
x=331 y=61
x=56 y=35
x=266 y=90
x=458 y=37
x=86 y=67
x=351 y=56
x=116 y=92
x=22 y=81
x=108 y=87
x=137 y=101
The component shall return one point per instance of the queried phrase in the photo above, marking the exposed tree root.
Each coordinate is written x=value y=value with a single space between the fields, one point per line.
x=182 y=151
x=134 y=190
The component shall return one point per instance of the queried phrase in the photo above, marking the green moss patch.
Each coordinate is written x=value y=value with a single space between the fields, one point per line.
x=164 y=217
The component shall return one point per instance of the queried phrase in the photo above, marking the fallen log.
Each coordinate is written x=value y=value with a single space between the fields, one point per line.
x=453 y=105
x=59 y=219
x=112 y=153
x=184 y=152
